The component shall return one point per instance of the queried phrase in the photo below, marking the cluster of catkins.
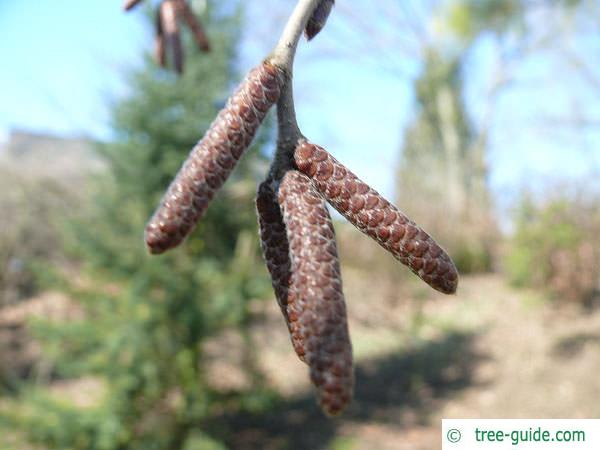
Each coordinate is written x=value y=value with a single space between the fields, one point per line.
x=296 y=230
x=167 y=30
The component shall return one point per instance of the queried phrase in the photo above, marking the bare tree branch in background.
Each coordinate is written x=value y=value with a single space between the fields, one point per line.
x=431 y=44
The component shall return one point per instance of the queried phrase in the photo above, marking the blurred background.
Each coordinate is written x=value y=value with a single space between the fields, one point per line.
x=479 y=118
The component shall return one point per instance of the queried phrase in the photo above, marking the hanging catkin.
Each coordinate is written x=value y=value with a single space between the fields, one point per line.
x=296 y=231
x=316 y=309
x=274 y=243
x=375 y=216
x=195 y=26
x=213 y=158
x=317 y=20
x=130 y=4
x=170 y=27
x=159 y=40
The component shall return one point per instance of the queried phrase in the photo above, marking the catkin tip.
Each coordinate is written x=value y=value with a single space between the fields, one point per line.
x=452 y=288
x=156 y=241
x=318 y=19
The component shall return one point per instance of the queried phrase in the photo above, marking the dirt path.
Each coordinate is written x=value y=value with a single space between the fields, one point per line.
x=542 y=361
x=489 y=352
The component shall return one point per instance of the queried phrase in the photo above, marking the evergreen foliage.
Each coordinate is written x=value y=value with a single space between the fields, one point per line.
x=554 y=247
x=145 y=319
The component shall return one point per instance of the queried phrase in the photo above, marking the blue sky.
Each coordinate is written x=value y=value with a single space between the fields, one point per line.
x=64 y=63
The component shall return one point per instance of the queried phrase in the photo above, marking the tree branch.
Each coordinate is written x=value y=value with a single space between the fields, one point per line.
x=285 y=50
x=283 y=56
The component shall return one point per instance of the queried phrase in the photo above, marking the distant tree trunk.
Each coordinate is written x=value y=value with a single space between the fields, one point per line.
x=443 y=158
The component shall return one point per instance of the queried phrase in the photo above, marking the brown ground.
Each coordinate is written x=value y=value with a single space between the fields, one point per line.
x=491 y=351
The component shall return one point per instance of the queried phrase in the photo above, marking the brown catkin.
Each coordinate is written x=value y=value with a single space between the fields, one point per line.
x=170 y=26
x=315 y=304
x=159 y=46
x=195 y=26
x=318 y=18
x=130 y=4
x=375 y=216
x=213 y=158
x=274 y=244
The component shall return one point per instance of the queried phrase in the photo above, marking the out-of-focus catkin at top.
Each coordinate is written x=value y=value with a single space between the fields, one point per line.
x=319 y=17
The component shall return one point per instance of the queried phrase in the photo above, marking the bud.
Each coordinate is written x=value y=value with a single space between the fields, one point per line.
x=366 y=209
x=318 y=18
x=213 y=158
x=316 y=309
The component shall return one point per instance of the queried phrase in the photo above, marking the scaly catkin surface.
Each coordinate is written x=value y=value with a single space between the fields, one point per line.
x=274 y=244
x=318 y=19
x=213 y=158
x=316 y=309
x=375 y=216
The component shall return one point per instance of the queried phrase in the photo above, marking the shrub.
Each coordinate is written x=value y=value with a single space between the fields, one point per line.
x=555 y=247
x=31 y=210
